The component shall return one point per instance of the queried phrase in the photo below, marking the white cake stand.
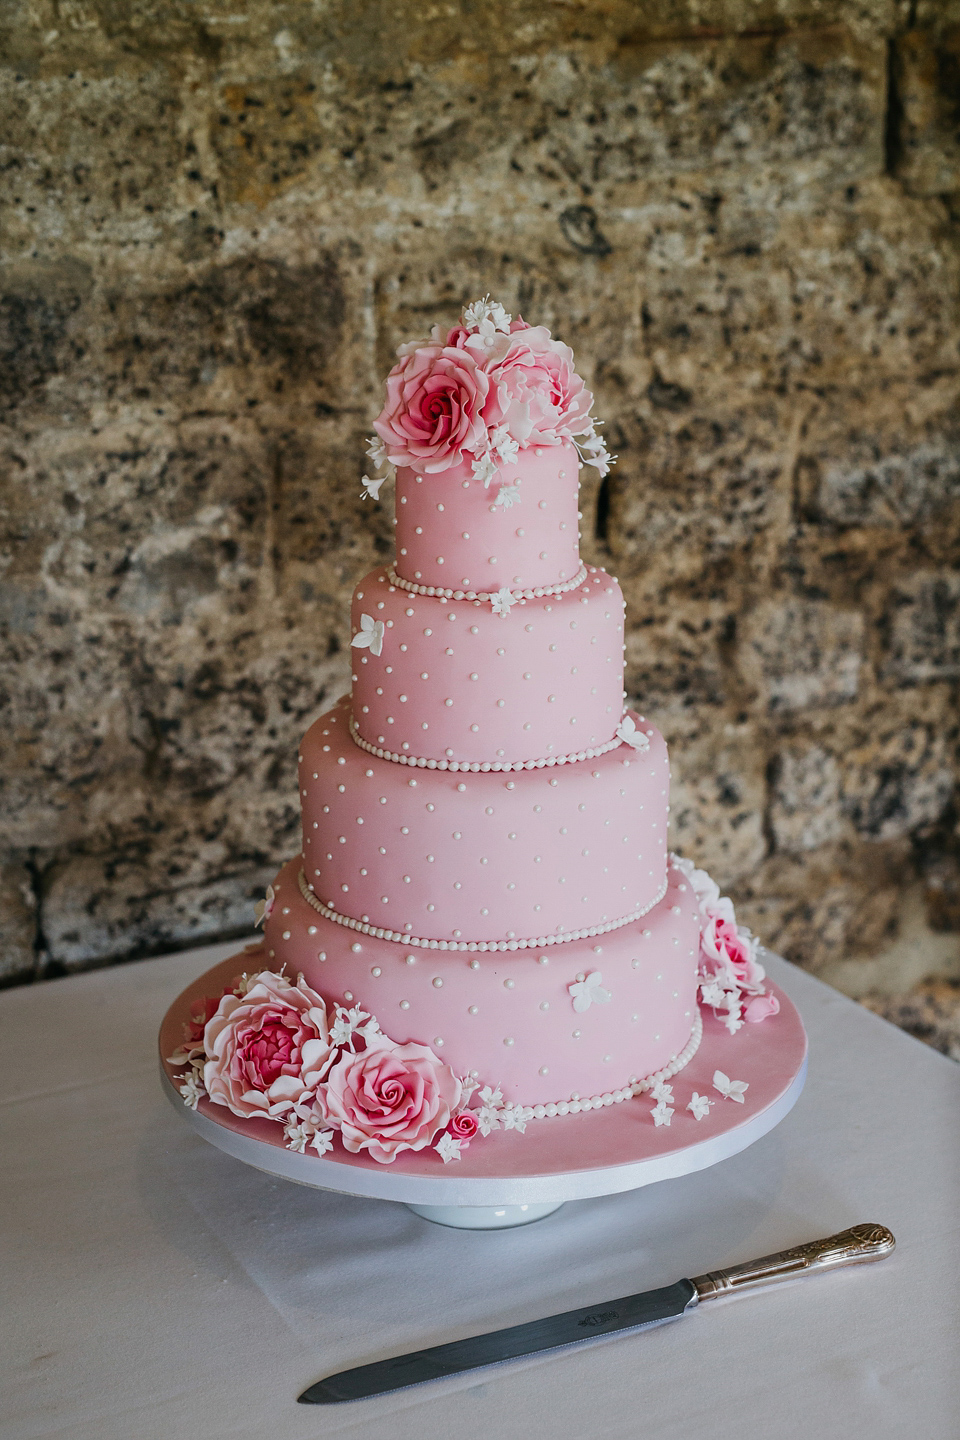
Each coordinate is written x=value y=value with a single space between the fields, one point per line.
x=510 y=1179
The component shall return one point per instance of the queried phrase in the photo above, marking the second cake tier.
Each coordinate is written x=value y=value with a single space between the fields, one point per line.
x=452 y=681
x=458 y=859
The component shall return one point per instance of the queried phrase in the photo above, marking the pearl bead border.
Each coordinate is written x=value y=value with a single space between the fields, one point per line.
x=481 y=946
x=539 y=592
x=526 y=1113
x=496 y=766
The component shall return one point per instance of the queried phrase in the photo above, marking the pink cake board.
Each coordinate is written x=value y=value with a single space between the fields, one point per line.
x=509 y=1178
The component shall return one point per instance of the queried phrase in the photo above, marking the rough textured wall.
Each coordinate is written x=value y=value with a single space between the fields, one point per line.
x=220 y=220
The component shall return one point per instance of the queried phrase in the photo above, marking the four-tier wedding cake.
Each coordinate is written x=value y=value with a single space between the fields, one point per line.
x=484 y=928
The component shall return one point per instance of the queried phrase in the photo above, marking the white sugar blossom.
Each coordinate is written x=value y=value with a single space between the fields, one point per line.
x=486 y=318
x=261 y=912
x=593 y=449
x=370 y=635
x=730 y=1089
x=733 y=1022
x=489 y=1096
x=713 y=993
x=322 y=1141
x=485 y=467
x=514 y=1117
x=501 y=602
x=504 y=445
x=588 y=990
x=298 y=1136
x=350 y=1023
x=699 y=1105
x=488 y=1119
x=192 y=1091
x=448 y=1148
x=371 y=488
x=508 y=496
x=467 y=1086
x=660 y=1090
x=629 y=734
x=377 y=454
x=662 y=1114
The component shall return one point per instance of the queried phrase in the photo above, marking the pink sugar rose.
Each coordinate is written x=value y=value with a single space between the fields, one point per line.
x=433 y=410
x=760 y=1007
x=463 y=1127
x=390 y=1098
x=268 y=1050
x=535 y=390
x=728 y=949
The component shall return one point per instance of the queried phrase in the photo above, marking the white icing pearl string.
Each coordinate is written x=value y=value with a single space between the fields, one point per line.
x=486 y=596
x=498 y=766
x=482 y=946
x=615 y=1097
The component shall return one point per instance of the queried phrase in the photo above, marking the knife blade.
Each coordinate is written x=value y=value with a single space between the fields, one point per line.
x=575 y=1327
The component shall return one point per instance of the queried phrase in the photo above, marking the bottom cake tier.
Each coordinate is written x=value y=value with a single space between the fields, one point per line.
x=581 y=1019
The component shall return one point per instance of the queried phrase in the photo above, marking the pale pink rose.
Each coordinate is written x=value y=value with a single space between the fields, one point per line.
x=535 y=390
x=463 y=1127
x=729 y=949
x=268 y=1050
x=200 y=1013
x=433 y=410
x=706 y=889
x=760 y=1007
x=390 y=1098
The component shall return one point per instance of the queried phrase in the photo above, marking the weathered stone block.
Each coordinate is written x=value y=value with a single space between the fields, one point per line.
x=890 y=490
x=805 y=809
x=801 y=653
x=924 y=624
x=926 y=80
x=901 y=778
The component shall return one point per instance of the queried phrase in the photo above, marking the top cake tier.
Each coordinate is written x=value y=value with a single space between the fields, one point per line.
x=455 y=534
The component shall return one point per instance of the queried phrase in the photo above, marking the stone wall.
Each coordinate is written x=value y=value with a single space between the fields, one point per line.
x=220 y=220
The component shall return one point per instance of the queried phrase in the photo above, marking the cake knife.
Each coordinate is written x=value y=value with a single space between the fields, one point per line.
x=634 y=1312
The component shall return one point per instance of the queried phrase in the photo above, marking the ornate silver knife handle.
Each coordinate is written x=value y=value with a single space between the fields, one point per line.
x=850 y=1247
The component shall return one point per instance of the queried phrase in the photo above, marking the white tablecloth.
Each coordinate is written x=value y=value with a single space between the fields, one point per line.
x=153 y=1287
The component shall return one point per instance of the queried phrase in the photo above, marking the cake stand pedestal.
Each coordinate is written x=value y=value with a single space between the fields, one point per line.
x=510 y=1179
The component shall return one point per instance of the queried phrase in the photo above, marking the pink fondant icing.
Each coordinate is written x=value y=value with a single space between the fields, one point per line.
x=451 y=532
x=510 y=1017
x=481 y=856
x=454 y=681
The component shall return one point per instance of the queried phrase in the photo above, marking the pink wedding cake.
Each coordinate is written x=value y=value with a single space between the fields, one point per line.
x=484 y=928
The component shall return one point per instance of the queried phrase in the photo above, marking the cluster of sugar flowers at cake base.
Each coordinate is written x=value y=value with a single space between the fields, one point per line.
x=483 y=391
x=269 y=1048
x=731 y=976
x=661 y=1092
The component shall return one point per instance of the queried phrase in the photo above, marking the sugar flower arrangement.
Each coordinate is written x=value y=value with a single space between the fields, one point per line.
x=731 y=977
x=482 y=392
x=269 y=1048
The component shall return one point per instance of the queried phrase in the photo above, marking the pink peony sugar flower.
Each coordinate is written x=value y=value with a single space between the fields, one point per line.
x=268 y=1050
x=535 y=390
x=728 y=950
x=760 y=1007
x=463 y=1127
x=433 y=410
x=390 y=1098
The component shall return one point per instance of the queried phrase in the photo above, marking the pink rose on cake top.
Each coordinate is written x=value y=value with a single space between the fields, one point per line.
x=483 y=928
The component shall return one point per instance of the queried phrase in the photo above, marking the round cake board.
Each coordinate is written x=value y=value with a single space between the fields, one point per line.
x=509 y=1179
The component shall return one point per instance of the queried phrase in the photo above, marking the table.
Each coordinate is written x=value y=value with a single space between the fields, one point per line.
x=156 y=1289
